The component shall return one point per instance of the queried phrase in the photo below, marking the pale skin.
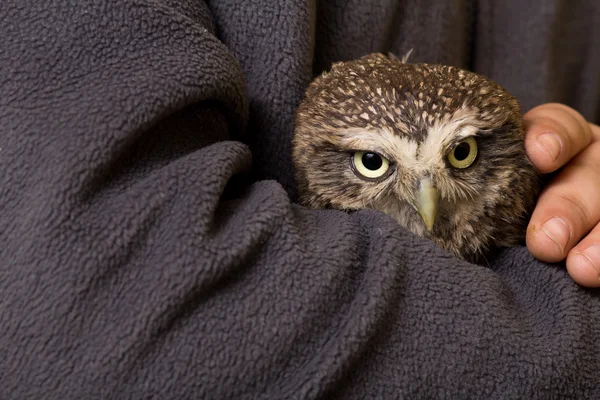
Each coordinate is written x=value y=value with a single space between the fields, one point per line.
x=566 y=221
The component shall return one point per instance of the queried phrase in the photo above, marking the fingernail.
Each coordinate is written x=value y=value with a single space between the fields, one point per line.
x=550 y=142
x=558 y=231
x=591 y=256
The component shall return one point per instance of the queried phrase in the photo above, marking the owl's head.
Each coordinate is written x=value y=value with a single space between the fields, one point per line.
x=438 y=148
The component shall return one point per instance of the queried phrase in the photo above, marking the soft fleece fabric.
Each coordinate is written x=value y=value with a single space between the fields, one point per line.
x=150 y=246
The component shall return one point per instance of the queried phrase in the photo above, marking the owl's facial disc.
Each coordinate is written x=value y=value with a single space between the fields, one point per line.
x=418 y=172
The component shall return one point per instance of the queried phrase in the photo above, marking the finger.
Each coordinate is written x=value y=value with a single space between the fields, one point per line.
x=583 y=262
x=567 y=209
x=554 y=134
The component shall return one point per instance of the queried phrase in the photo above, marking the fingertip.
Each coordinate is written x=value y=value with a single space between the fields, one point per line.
x=582 y=270
x=542 y=245
x=554 y=133
x=544 y=156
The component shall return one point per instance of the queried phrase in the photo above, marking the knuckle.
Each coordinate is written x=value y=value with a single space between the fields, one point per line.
x=579 y=122
x=573 y=201
x=589 y=161
x=573 y=129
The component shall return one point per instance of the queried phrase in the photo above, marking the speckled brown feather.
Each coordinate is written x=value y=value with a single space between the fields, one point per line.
x=408 y=112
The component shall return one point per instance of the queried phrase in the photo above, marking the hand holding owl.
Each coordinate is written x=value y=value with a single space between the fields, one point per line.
x=566 y=220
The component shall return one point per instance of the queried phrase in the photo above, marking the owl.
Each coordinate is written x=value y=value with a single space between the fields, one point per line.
x=438 y=148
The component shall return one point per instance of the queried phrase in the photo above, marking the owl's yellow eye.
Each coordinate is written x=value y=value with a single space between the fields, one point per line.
x=369 y=165
x=464 y=154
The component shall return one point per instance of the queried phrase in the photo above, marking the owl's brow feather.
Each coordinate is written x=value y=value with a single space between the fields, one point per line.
x=450 y=129
x=382 y=141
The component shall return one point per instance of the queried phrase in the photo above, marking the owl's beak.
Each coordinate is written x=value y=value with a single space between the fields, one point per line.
x=427 y=202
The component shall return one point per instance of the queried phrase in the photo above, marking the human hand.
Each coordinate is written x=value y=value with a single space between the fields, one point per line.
x=566 y=219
